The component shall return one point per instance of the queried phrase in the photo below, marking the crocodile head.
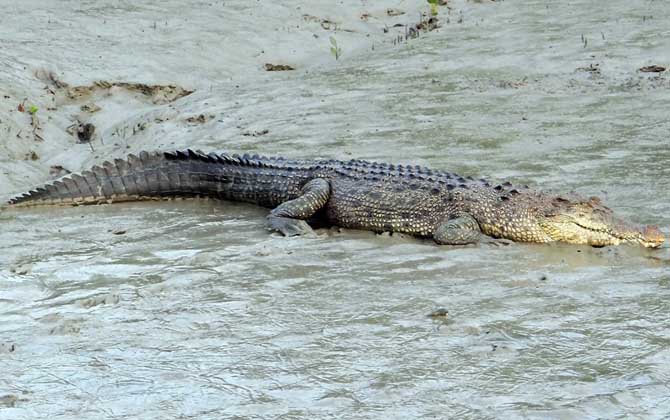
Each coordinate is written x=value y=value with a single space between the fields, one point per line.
x=589 y=222
x=534 y=216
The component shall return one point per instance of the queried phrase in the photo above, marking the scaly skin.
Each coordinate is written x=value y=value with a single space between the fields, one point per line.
x=356 y=194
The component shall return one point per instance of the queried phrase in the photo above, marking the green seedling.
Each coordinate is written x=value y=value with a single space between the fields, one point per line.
x=32 y=109
x=334 y=49
x=433 y=7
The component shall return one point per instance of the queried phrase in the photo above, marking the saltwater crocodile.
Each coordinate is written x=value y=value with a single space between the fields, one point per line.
x=357 y=194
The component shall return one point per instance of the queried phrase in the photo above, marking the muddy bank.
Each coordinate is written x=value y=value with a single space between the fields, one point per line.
x=144 y=52
x=192 y=309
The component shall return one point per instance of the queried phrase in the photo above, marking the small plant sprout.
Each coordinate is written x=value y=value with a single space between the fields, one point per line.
x=32 y=109
x=433 y=7
x=334 y=49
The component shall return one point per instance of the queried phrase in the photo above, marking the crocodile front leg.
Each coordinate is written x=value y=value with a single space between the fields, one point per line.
x=289 y=217
x=462 y=230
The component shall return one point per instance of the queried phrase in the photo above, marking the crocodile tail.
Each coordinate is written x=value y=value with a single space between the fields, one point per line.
x=148 y=176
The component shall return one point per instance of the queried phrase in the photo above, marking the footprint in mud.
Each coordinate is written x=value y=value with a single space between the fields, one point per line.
x=9 y=400
x=56 y=324
x=7 y=347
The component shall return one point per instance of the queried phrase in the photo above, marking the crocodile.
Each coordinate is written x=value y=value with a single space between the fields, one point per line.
x=415 y=200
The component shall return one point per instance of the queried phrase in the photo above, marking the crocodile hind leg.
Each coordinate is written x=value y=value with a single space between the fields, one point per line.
x=289 y=217
x=462 y=230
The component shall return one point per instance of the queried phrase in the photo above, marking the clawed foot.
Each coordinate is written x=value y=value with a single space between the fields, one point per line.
x=496 y=241
x=289 y=227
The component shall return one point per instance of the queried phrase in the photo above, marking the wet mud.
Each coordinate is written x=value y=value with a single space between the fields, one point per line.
x=192 y=309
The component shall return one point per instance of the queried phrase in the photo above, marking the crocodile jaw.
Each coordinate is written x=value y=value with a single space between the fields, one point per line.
x=574 y=232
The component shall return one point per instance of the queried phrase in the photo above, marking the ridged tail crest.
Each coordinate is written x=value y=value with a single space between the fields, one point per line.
x=144 y=177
